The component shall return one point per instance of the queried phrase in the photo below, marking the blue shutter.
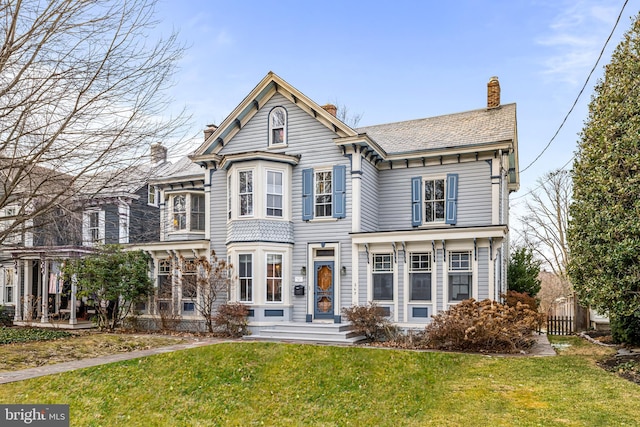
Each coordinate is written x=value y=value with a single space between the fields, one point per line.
x=307 y=194
x=339 y=191
x=451 y=210
x=416 y=201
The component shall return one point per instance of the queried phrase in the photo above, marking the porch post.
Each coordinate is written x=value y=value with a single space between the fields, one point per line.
x=44 y=270
x=17 y=315
x=72 y=304
x=27 y=313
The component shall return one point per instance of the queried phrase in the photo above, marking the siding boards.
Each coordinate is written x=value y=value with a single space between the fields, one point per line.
x=442 y=270
x=362 y=278
x=369 y=189
x=483 y=273
x=474 y=194
x=111 y=224
x=314 y=143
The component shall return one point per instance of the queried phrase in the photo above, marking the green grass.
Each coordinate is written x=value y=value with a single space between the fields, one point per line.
x=272 y=384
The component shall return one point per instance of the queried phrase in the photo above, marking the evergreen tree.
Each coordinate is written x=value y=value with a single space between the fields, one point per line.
x=522 y=272
x=604 y=230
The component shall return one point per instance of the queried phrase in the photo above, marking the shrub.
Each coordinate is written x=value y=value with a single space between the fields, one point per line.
x=485 y=326
x=231 y=320
x=369 y=320
x=626 y=330
x=511 y=298
x=13 y=335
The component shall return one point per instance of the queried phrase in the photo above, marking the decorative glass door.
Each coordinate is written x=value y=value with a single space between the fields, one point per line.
x=324 y=289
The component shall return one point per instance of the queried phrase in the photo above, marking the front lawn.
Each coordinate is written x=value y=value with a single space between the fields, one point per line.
x=285 y=384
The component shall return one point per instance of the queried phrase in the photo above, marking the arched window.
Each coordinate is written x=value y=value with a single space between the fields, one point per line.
x=278 y=126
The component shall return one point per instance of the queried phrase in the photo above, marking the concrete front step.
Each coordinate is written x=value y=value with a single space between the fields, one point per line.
x=334 y=333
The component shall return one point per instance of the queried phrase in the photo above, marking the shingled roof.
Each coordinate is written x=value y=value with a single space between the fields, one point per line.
x=470 y=128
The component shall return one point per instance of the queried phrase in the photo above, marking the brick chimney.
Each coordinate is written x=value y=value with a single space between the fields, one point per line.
x=493 y=93
x=331 y=109
x=209 y=131
x=158 y=154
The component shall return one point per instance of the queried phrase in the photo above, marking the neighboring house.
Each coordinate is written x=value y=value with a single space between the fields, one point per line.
x=179 y=192
x=316 y=216
x=106 y=209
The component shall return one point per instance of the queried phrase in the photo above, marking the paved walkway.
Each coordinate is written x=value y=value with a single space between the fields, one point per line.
x=542 y=348
x=25 y=374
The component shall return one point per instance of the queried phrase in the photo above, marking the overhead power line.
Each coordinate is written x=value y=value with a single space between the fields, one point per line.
x=581 y=90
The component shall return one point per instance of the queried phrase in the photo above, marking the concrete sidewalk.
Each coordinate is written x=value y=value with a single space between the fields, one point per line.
x=25 y=374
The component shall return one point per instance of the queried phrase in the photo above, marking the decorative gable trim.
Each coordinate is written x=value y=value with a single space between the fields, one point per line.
x=268 y=86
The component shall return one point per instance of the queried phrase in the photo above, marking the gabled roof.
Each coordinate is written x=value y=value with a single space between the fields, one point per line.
x=268 y=86
x=470 y=128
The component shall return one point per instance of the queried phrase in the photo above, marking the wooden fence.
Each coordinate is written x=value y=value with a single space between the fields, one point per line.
x=560 y=325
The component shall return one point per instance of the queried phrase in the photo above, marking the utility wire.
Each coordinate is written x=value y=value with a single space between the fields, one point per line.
x=542 y=183
x=581 y=90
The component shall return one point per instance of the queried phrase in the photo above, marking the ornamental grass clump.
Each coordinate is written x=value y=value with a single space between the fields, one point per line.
x=483 y=326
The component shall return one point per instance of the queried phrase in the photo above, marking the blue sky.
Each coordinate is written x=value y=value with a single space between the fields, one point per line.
x=400 y=60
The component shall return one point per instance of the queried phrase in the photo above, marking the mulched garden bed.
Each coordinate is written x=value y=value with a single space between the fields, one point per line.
x=625 y=363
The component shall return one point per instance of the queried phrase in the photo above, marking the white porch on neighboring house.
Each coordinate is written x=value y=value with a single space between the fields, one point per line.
x=42 y=298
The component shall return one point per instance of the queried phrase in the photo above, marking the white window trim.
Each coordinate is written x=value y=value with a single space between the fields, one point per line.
x=86 y=230
x=252 y=277
x=259 y=169
x=285 y=140
x=473 y=268
x=316 y=171
x=372 y=272
x=426 y=179
x=410 y=270
x=282 y=277
x=252 y=193
x=266 y=192
x=188 y=211
x=155 y=191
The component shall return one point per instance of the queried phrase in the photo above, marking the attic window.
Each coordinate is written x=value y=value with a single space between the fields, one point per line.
x=278 y=126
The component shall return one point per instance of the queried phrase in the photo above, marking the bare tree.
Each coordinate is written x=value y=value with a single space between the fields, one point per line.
x=348 y=118
x=545 y=223
x=82 y=93
x=211 y=280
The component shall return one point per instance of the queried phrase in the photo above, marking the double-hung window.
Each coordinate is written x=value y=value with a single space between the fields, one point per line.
x=153 y=197
x=278 y=126
x=197 y=212
x=246 y=192
x=382 y=277
x=434 y=200
x=188 y=212
x=245 y=277
x=460 y=276
x=189 y=278
x=274 y=193
x=180 y=212
x=420 y=276
x=164 y=278
x=8 y=285
x=323 y=193
x=274 y=277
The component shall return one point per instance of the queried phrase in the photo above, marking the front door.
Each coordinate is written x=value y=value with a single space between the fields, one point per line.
x=323 y=290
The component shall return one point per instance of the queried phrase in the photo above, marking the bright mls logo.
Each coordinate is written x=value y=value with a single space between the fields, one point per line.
x=34 y=415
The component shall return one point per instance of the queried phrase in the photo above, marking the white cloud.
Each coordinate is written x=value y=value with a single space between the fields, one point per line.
x=575 y=38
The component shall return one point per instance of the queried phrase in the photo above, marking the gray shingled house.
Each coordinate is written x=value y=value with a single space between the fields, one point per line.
x=317 y=216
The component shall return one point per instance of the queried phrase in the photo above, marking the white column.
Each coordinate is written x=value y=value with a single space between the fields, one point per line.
x=44 y=273
x=72 y=303
x=16 y=292
x=25 y=295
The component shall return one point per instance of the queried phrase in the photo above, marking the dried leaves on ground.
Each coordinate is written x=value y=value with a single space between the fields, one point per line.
x=77 y=346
